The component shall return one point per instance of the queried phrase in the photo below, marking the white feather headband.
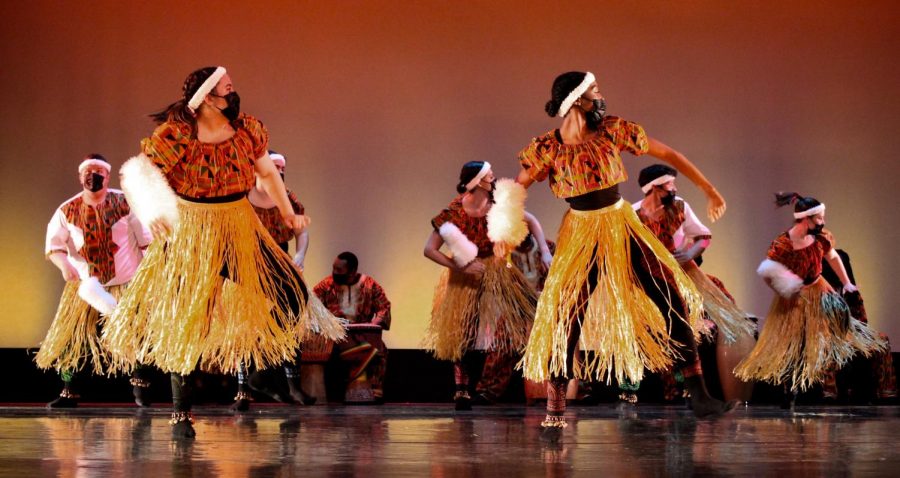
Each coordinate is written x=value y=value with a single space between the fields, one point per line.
x=278 y=159
x=205 y=88
x=566 y=105
x=478 y=177
x=657 y=182
x=810 y=212
x=93 y=162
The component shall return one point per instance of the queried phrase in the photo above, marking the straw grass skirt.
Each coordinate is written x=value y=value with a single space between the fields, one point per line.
x=806 y=336
x=73 y=340
x=490 y=312
x=730 y=321
x=217 y=292
x=620 y=324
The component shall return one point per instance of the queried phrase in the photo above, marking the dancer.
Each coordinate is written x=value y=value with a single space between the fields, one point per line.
x=481 y=302
x=809 y=330
x=613 y=288
x=270 y=216
x=97 y=244
x=674 y=223
x=214 y=289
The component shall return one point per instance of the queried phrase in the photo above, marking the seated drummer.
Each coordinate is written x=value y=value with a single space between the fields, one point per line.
x=359 y=299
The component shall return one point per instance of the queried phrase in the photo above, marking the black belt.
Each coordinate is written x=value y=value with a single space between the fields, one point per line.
x=595 y=199
x=216 y=199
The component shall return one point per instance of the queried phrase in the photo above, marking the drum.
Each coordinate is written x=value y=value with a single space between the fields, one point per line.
x=727 y=358
x=316 y=349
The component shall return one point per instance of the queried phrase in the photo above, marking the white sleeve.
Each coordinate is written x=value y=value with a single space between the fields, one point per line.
x=57 y=234
x=140 y=232
x=692 y=226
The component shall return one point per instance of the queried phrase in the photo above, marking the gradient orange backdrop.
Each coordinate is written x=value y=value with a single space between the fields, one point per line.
x=378 y=104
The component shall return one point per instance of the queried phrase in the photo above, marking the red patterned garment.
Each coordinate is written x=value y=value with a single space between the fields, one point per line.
x=474 y=228
x=202 y=170
x=667 y=225
x=806 y=262
x=273 y=222
x=372 y=305
x=103 y=241
x=590 y=166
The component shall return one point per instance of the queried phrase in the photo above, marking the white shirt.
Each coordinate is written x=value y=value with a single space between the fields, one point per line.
x=127 y=233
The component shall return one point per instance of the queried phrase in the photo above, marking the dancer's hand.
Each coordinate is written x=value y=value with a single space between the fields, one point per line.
x=298 y=260
x=160 y=228
x=502 y=249
x=297 y=222
x=546 y=258
x=850 y=288
x=475 y=268
x=716 y=204
x=69 y=272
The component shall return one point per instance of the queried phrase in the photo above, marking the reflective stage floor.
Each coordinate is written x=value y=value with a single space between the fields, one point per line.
x=435 y=441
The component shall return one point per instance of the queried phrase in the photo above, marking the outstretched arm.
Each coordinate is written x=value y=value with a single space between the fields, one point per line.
x=716 y=203
x=837 y=265
x=273 y=186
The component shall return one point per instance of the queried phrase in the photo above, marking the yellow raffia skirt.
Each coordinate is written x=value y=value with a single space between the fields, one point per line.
x=805 y=337
x=730 y=321
x=491 y=312
x=215 y=293
x=74 y=336
x=620 y=324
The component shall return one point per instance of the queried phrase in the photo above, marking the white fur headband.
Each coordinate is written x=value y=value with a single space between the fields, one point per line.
x=657 y=182
x=478 y=177
x=810 y=212
x=566 y=105
x=93 y=162
x=278 y=158
x=205 y=88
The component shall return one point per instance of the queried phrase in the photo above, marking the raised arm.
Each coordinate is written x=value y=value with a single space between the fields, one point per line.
x=716 y=203
x=273 y=186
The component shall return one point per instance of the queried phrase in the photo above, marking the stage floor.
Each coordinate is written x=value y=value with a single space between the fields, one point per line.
x=433 y=440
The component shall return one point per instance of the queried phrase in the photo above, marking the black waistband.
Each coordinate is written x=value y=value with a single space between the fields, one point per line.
x=217 y=199
x=595 y=199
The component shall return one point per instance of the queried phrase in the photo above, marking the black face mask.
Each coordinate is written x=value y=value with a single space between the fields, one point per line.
x=94 y=182
x=668 y=199
x=340 y=279
x=234 y=106
x=815 y=230
x=595 y=117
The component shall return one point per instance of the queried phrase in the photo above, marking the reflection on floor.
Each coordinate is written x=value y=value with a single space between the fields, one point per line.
x=432 y=440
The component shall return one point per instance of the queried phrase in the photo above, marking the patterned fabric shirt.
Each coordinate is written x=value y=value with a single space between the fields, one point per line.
x=103 y=241
x=203 y=170
x=272 y=221
x=372 y=305
x=529 y=262
x=474 y=228
x=806 y=262
x=590 y=166
x=676 y=224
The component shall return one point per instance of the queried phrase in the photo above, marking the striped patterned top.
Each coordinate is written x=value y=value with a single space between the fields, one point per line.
x=590 y=166
x=202 y=170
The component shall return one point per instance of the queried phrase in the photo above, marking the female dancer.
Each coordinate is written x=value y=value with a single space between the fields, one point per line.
x=214 y=289
x=481 y=303
x=613 y=289
x=809 y=330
